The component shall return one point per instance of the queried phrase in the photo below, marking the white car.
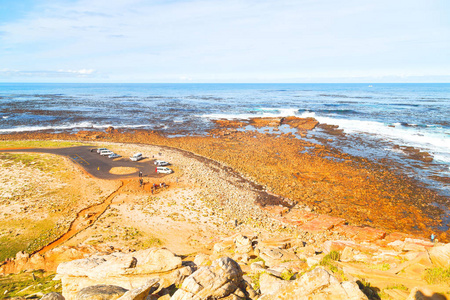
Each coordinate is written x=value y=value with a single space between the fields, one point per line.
x=106 y=152
x=114 y=155
x=163 y=170
x=100 y=150
x=161 y=163
x=136 y=157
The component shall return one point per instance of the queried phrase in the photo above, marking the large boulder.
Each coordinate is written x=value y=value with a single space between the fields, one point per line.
x=141 y=262
x=128 y=270
x=221 y=279
x=100 y=292
x=276 y=256
x=269 y=284
x=440 y=255
x=318 y=284
x=53 y=296
x=142 y=292
x=243 y=244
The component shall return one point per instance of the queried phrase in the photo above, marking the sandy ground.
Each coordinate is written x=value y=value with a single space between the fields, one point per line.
x=39 y=197
x=187 y=216
x=200 y=204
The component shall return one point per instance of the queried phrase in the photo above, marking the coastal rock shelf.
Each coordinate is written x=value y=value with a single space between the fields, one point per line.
x=220 y=228
x=307 y=174
x=267 y=269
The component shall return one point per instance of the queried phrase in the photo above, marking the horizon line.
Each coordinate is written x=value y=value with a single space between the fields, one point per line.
x=37 y=82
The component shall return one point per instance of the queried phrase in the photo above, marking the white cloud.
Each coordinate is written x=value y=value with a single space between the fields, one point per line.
x=83 y=73
x=149 y=40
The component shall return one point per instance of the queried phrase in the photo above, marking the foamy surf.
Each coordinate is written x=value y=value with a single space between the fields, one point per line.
x=395 y=114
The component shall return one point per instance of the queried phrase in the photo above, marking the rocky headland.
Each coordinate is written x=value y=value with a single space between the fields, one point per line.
x=246 y=215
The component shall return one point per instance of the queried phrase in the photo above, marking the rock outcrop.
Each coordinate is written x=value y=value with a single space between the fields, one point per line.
x=101 y=291
x=127 y=270
x=318 y=284
x=221 y=279
x=440 y=255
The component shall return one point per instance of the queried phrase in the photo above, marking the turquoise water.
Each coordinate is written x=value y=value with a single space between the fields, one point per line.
x=374 y=117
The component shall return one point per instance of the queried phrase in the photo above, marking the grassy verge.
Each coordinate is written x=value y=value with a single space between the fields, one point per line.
x=40 y=197
x=35 y=283
x=438 y=275
x=47 y=163
x=25 y=235
x=39 y=144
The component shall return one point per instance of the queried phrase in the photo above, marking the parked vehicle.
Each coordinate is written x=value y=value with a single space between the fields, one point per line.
x=161 y=163
x=106 y=152
x=163 y=170
x=114 y=155
x=100 y=150
x=136 y=157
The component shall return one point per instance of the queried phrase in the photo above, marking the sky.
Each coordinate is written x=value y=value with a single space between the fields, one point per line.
x=224 y=41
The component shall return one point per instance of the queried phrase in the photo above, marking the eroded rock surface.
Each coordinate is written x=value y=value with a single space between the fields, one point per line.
x=219 y=280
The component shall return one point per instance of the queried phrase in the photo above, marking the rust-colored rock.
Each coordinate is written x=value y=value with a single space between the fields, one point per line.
x=263 y=122
x=361 y=234
x=350 y=188
x=300 y=123
x=299 y=217
x=322 y=223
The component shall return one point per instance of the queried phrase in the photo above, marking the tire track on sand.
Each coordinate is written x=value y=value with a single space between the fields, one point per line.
x=84 y=219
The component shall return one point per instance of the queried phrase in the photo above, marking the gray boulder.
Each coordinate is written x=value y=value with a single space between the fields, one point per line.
x=318 y=284
x=243 y=244
x=140 y=262
x=141 y=292
x=269 y=284
x=101 y=292
x=275 y=256
x=53 y=296
x=223 y=278
x=440 y=255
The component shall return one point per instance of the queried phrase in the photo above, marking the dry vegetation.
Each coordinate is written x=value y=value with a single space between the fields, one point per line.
x=40 y=196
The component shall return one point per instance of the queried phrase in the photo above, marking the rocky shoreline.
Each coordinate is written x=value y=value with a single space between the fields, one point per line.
x=229 y=232
x=299 y=172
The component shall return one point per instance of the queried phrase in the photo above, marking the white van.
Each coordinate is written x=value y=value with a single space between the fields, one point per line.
x=163 y=170
x=100 y=150
x=106 y=153
x=136 y=157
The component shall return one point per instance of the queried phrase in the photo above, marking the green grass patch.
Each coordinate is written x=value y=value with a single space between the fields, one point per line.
x=287 y=275
x=48 y=163
x=40 y=144
x=27 y=236
x=437 y=275
x=397 y=287
x=381 y=267
x=256 y=259
x=154 y=241
x=329 y=259
x=24 y=284
x=255 y=280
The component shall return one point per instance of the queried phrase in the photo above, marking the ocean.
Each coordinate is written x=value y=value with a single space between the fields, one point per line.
x=379 y=120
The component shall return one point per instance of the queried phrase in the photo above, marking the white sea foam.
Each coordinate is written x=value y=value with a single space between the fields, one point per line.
x=262 y=112
x=435 y=142
x=67 y=127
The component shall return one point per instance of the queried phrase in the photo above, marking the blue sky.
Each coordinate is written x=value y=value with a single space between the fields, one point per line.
x=224 y=41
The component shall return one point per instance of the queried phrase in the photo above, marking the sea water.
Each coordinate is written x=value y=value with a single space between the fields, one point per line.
x=375 y=118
